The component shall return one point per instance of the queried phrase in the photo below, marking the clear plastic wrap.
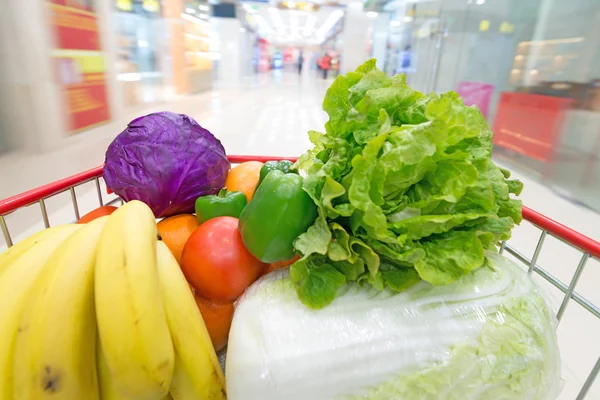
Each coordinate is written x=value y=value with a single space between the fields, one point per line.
x=490 y=335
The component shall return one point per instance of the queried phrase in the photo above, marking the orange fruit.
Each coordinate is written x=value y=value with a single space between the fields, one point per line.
x=244 y=178
x=280 y=264
x=176 y=230
x=217 y=317
x=97 y=213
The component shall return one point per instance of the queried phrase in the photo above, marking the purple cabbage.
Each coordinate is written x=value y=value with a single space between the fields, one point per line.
x=166 y=160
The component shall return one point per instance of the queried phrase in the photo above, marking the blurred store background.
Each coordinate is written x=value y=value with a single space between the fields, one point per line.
x=70 y=69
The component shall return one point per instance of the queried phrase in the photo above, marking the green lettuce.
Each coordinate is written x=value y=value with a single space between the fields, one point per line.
x=402 y=180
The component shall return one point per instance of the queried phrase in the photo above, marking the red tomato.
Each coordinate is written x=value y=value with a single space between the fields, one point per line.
x=97 y=213
x=215 y=261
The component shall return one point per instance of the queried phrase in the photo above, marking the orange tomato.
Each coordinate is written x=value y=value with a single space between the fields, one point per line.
x=176 y=230
x=97 y=213
x=217 y=318
x=280 y=264
x=215 y=261
x=244 y=178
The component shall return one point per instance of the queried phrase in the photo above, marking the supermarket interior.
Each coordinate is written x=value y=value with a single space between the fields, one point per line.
x=73 y=73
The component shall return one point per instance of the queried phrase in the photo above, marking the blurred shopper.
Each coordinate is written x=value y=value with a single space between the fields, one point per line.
x=325 y=64
x=300 y=62
x=319 y=65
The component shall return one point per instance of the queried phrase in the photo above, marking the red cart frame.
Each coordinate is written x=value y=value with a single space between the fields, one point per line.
x=588 y=247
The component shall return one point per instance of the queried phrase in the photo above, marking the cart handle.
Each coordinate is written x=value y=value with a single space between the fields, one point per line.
x=34 y=195
x=586 y=244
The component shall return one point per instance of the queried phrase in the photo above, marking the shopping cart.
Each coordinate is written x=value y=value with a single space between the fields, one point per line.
x=588 y=247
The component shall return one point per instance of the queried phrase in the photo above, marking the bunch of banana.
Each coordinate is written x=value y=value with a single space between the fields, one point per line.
x=102 y=311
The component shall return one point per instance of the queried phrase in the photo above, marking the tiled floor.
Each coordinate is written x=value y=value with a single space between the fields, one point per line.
x=270 y=116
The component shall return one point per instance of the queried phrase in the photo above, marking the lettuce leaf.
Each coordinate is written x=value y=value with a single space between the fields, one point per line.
x=405 y=187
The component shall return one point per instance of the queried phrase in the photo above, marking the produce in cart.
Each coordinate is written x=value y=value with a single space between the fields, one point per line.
x=284 y=166
x=223 y=204
x=17 y=277
x=405 y=187
x=390 y=223
x=490 y=335
x=166 y=160
x=244 y=178
x=175 y=231
x=216 y=263
x=217 y=317
x=102 y=310
x=398 y=293
x=56 y=337
x=97 y=213
x=279 y=212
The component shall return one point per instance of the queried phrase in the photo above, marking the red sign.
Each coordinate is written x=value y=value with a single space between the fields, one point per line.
x=80 y=63
x=76 y=28
x=530 y=123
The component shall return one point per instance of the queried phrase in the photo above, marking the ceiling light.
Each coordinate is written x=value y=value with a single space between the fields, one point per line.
x=203 y=8
x=294 y=27
x=193 y=19
x=372 y=14
x=553 y=41
x=329 y=23
x=408 y=19
x=480 y=2
x=395 y=23
x=310 y=25
x=263 y=24
x=190 y=10
x=197 y=37
x=277 y=21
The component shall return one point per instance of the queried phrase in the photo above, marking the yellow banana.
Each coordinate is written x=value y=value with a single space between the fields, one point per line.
x=131 y=320
x=55 y=346
x=198 y=374
x=108 y=390
x=24 y=245
x=15 y=285
x=182 y=387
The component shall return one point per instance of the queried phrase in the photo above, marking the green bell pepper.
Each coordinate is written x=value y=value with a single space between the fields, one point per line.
x=224 y=204
x=283 y=166
x=279 y=212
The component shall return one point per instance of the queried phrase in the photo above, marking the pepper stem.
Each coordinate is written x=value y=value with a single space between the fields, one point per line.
x=222 y=192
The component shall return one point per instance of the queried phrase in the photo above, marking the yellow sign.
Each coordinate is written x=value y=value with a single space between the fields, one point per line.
x=484 y=25
x=151 y=5
x=301 y=6
x=124 y=5
x=506 y=27
x=250 y=20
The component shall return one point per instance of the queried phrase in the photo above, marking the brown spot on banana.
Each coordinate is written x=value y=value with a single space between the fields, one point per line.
x=51 y=380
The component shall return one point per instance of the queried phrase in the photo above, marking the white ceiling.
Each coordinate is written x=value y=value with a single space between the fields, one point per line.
x=293 y=26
